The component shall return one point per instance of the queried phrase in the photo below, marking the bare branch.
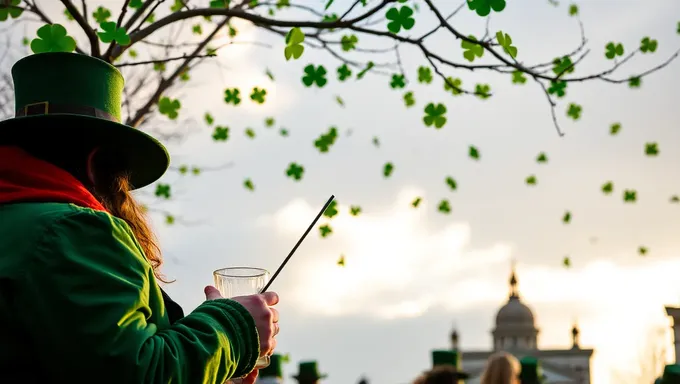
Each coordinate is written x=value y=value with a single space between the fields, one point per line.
x=89 y=32
x=107 y=55
x=165 y=60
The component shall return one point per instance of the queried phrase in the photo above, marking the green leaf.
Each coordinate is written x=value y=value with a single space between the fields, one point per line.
x=566 y=219
x=328 y=4
x=613 y=49
x=101 y=15
x=574 y=111
x=269 y=74
x=135 y=3
x=354 y=210
x=409 y=99
x=53 y=38
x=473 y=153
x=558 y=88
x=444 y=206
x=326 y=140
x=630 y=196
x=453 y=85
x=184 y=169
x=675 y=199
x=132 y=53
x=113 y=33
x=7 y=12
x=169 y=107
x=344 y=72
x=248 y=184
x=400 y=18
x=364 y=71
x=398 y=81
x=531 y=180
x=424 y=75
x=159 y=67
x=451 y=182
x=197 y=30
x=573 y=10
x=169 y=219
x=67 y=14
x=283 y=132
x=518 y=77
x=566 y=262
x=349 y=42
x=232 y=96
x=332 y=209
x=325 y=230
x=635 y=82
x=295 y=171
x=376 y=141
x=416 y=202
x=258 y=95
x=250 y=133
x=340 y=101
x=505 y=41
x=542 y=158
x=607 y=188
x=269 y=122
x=163 y=190
x=388 y=168
x=294 y=47
x=483 y=91
x=648 y=45
x=314 y=75
x=208 y=118
x=652 y=149
x=484 y=7
x=220 y=133
x=614 y=129
x=642 y=251
x=472 y=50
x=563 y=65
x=196 y=171
x=341 y=260
x=435 y=115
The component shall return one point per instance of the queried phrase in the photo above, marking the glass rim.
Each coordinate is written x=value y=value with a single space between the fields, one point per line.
x=257 y=272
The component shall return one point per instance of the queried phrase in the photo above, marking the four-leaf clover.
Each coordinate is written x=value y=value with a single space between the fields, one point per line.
x=435 y=115
x=484 y=7
x=232 y=96
x=295 y=171
x=169 y=107
x=101 y=15
x=314 y=76
x=294 y=47
x=258 y=95
x=400 y=18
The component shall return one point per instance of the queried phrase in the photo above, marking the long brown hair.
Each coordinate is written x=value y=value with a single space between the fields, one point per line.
x=501 y=368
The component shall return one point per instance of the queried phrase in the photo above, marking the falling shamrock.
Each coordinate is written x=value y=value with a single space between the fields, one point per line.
x=398 y=81
x=344 y=72
x=416 y=202
x=558 y=88
x=542 y=158
x=566 y=262
x=387 y=169
x=518 y=77
x=505 y=41
x=364 y=71
x=135 y=4
x=258 y=95
x=332 y=209
x=451 y=182
x=453 y=85
x=675 y=199
x=634 y=82
x=169 y=219
x=197 y=30
x=250 y=133
x=295 y=171
x=376 y=141
x=163 y=190
x=444 y=206
x=435 y=115
x=269 y=122
x=101 y=15
x=614 y=128
x=613 y=49
x=326 y=140
x=400 y=18
x=113 y=32
x=472 y=49
x=341 y=261
x=53 y=38
x=232 y=96
x=573 y=10
x=651 y=149
x=283 y=132
x=473 y=153
x=484 y=7
x=169 y=107
x=354 y=210
x=531 y=180
x=349 y=42
x=566 y=219
x=424 y=75
x=607 y=188
x=294 y=47
x=340 y=101
x=629 y=196
x=483 y=91
x=248 y=184
x=409 y=100
x=648 y=45
x=563 y=65
x=220 y=133
x=314 y=76
x=208 y=118
x=574 y=111
x=325 y=230
x=10 y=8
x=642 y=251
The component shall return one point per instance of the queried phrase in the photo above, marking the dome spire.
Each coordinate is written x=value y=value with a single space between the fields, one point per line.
x=514 y=292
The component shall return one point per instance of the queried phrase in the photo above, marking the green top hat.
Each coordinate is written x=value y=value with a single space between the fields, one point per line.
x=531 y=373
x=671 y=374
x=451 y=358
x=275 y=367
x=77 y=99
x=308 y=371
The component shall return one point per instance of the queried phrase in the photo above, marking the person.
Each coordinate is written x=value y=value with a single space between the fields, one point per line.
x=273 y=373
x=308 y=373
x=447 y=363
x=501 y=368
x=531 y=371
x=671 y=375
x=80 y=300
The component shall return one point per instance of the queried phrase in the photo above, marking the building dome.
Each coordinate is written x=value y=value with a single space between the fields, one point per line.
x=514 y=313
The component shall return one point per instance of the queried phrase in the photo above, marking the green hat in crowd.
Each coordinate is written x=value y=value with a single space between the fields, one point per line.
x=531 y=371
x=451 y=358
x=77 y=99
x=275 y=367
x=671 y=375
x=308 y=371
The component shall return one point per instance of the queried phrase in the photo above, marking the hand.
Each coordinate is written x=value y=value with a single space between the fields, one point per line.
x=266 y=318
x=251 y=378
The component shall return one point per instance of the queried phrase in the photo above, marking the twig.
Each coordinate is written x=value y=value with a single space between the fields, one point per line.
x=89 y=32
x=107 y=55
x=164 y=60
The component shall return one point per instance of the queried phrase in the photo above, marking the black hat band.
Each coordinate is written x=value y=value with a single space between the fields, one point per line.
x=47 y=108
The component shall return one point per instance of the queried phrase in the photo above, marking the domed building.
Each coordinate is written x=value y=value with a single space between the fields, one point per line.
x=516 y=332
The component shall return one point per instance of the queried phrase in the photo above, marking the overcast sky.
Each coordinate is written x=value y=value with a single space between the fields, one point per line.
x=411 y=274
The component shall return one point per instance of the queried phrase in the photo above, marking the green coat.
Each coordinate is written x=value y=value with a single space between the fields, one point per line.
x=79 y=304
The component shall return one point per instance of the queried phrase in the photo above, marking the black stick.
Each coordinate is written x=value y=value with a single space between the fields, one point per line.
x=298 y=243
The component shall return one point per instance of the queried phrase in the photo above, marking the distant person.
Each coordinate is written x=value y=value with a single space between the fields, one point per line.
x=441 y=374
x=531 y=371
x=308 y=373
x=671 y=375
x=501 y=368
x=272 y=374
x=80 y=300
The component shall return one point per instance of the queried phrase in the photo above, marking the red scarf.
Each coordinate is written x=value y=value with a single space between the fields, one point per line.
x=24 y=178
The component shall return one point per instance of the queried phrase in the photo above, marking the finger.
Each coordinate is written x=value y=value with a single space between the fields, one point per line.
x=275 y=315
x=277 y=328
x=271 y=298
x=211 y=293
x=251 y=377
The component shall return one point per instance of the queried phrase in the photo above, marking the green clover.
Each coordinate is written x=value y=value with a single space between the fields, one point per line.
x=269 y=122
x=651 y=149
x=101 y=15
x=424 y=75
x=531 y=180
x=197 y=30
x=295 y=171
x=250 y=133
x=163 y=190
x=184 y=169
x=332 y=209
x=635 y=82
x=648 y=45
x=398 y=81
x=364 y=71
x=113 y=32
x=248 y=184
x=150 y=19
x=573 y=10
x=518 y=77
x=196 y=171
x=400 y=18
x=613 y=49
x=566 y=262
x=376 y=141
x=614 y=129
x=325 y=230
x=67 y=14
x=630 y=196
x=53 y=38
x=542 y=158
x=642 y=250
x=219 y=3
x=232 y=96
x=451 y=182
x=25 y=41
x=258 y=95
x=483 y=91
x=283 y=132
x=314 y=76
x=269 y=74
x=169 y=219
x=409 y=100
x=169 y=107
x=208 y=118
x=453 y=85
x=349 y=42
x=220 y=133
x=444 y=206
x=135 y=4
x=344 y=72
x=505 y=41
x=184 y=76
x=473 y=153
x=294 y=47
x=566 y=219
x=416 y=202
x=388 y=168
x=678 y=30
x=484 y=7
x=8 y=9
x=326 y=140
x=340 y=101
x=435 y=115
x=558 y=88
x=563 y=65
x=354 y=210
x=607 y=188
x=574 y=111
x=132 y=53
x=472 y=49
x=177 y=6
x=675 y=199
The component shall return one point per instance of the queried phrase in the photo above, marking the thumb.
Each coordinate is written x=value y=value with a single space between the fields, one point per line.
x=211 y=293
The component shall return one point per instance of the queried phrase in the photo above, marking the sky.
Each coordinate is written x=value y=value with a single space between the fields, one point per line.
x=411 y=275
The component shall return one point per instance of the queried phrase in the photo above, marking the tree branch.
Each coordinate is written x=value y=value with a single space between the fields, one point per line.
x=165 y=60
x=113 y=44
x=89 y=32
x=33 y=7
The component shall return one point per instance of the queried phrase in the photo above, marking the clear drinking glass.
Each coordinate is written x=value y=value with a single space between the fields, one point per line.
x=242 y=281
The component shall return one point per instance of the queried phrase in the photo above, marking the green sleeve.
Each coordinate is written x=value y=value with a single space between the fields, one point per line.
x=86 y=307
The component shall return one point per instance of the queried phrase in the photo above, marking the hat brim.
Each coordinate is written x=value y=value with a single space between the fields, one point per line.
x=315 y=377
x=460 y=374
x=142 y=156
